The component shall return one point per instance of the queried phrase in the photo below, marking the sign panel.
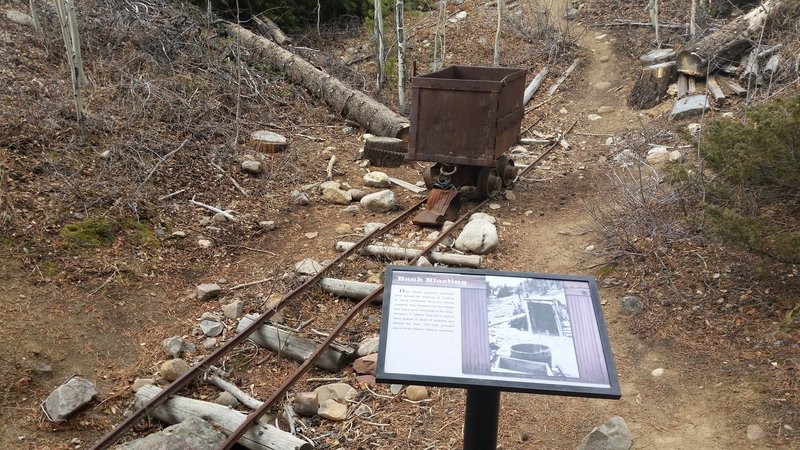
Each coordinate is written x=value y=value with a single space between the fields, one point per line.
x=522 y=332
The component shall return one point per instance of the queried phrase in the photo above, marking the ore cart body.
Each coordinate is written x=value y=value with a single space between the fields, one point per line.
x=463 y=120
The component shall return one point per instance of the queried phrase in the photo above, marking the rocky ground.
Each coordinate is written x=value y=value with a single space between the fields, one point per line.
x=706 y=363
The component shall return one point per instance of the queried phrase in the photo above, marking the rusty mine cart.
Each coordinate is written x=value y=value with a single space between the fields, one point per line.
x=463 y=119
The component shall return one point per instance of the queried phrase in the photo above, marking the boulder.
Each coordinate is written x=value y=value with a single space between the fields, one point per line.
x=479 y=237
x=172 y=369
x=381 y=201
x=332 y=410
x=207 y=291
x=336 y=196
x=689 y=106
x=612 y=435
x=68 y=398
x=193 y=433
x=175 y=345
x=377 y=180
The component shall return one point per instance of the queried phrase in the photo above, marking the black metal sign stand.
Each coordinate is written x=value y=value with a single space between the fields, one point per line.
x=481 y=419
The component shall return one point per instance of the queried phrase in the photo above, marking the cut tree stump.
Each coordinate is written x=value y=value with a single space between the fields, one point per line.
x=727 y=44
x=355 y=105
x=651 y=87
x=385 y=151
x=332 y=359
x=178 y=408
x=657 y=56
x=267 y=141
x=750 y=73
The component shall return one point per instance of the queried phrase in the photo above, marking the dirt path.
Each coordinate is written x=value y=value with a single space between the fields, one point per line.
x=685 y=408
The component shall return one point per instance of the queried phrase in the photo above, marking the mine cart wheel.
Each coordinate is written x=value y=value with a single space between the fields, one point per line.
x=506 y=170
x=489 y=182
x=428 y=177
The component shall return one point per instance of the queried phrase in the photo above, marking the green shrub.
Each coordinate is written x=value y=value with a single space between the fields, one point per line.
x=753 y=200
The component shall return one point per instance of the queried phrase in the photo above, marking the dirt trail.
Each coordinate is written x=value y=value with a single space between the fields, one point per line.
x=682 y=409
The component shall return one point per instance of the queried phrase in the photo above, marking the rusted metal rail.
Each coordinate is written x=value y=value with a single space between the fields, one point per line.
x=115 y=434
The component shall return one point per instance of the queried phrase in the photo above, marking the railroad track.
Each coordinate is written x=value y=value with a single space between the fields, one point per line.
x=195 y=372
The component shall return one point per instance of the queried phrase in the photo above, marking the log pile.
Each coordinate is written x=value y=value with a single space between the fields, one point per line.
x=735 y=51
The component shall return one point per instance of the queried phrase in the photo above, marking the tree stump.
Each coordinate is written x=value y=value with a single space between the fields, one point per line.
x=385 y=151
x=651 y=87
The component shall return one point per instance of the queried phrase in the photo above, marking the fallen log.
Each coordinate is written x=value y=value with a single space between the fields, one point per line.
x=355 y=290
x=272 y=29
x=332 y=359
x=355 y=105
x=410 y=253
x=554 y=87
x=652 y=85
x=728 y=43
x=178 y=408
x=536 y=83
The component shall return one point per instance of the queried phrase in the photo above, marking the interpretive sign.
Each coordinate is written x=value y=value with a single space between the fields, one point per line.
x=523 y=332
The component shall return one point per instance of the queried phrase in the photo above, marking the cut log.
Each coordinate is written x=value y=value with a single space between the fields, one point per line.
x=178 y=408
x=716 y=92
x=355 y=105
x=657 y=56
x=683 y=85
x=651 y=87
x=772 y=67
x=737 y=89
x=534 y=86
x=355 y=290
x=408 y=186
x=750 y=73
x=385 y=151
x=728 y=43
x=410 y=253
x=692 y=85
x=295 y=347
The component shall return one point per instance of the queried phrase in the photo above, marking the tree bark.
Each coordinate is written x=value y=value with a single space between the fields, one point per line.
x=379 y=58
x=357 y=106
x=178 y=408
x=651 y=86
x=332 y=359
x=401 y=58
x=726 y=45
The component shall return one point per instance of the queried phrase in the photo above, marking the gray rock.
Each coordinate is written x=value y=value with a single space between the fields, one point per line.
x=308 y=267
x=479 y=237
x=368 y=346
x=755 y=433
x=631 y=304
x=175 y=345
x=172 y=369
x=612 y=435
x=416 y=393
x=329 y=185
x=657 y=156
x=306 y=403
x=68 y=398
x=233 y=310
x=602 y=85
x=510 y=196
x=381 y=201
x=341 y=392
x=332 y=410
x=193 y=433
x=19 y=17
x=571 y=14
x=481 y=216
x=689 y=106
x=372 y=226
x=209 y=343
x=352 y=209
x=395 y=388
x=377 y=180
x=356 y=194
x=423 y=262
x=253 y=167
x=625 y=157
x=207 y=291
x=267 y=225
x=461 y=15
x=299 y=198
x=336 y=196
x=226 y=399
x=211 y=328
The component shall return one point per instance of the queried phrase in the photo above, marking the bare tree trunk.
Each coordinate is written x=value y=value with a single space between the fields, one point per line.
x=69 y=45
x=500 y=6
x=652 y=8
x=379 y=57
x=76 y=41
x=438 y=39
x=36 y=24
x=355 y=105
x=401 y=58
x=692 y=20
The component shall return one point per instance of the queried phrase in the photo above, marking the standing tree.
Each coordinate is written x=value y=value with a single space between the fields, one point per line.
x=500 y=4
x=36 y=24
x=69 y=30
x=652 y=7
x=401 y=58
x=379 y=44
x=438 y=39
